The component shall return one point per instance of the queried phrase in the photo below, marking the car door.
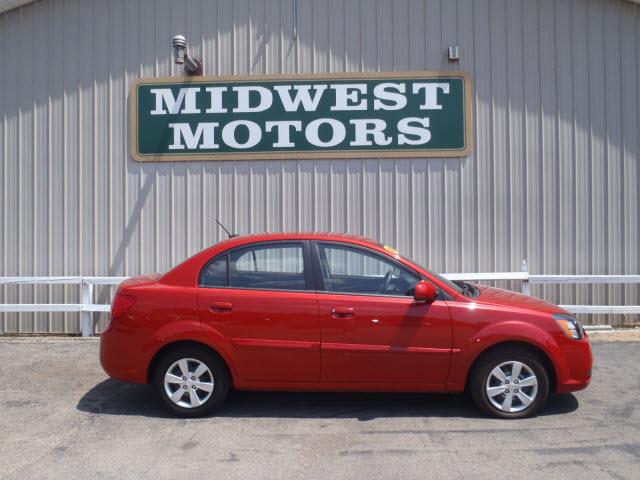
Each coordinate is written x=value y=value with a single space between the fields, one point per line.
x=260 y=297
x=372 y=330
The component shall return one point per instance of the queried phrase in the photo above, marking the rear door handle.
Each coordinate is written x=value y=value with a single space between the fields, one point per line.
x=342 y=312
x=220 y=307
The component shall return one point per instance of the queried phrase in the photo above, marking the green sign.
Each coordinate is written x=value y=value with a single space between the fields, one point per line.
x=419 y=114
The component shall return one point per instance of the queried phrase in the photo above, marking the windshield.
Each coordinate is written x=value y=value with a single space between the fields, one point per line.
x=449 y=283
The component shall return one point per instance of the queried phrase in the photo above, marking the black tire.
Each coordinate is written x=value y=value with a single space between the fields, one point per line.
x=218 y=371
x=480 y=376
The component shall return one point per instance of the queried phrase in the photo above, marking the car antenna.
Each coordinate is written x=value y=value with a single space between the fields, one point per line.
x=229 y=234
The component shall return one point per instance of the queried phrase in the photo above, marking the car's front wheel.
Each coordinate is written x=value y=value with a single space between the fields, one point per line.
x=509 y=383
x=191 y=381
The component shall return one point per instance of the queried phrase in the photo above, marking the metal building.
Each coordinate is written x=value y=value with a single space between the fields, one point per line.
x=553 y=176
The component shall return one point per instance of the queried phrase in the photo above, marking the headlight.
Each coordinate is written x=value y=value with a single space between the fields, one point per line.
x=569 y=325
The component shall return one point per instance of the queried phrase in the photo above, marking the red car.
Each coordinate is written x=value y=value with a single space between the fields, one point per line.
x=335 y=312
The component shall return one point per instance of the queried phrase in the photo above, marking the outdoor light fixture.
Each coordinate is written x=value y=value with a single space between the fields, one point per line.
x=192 y=66
x=454 y=53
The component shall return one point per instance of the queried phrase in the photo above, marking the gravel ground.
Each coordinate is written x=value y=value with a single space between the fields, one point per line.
x=62 y=418
x=631 y=335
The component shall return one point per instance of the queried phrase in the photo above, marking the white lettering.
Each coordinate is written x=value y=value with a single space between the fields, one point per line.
x=165 y=96
x=204 y=131
x=302 y=96
x=215 y=99
x=229 y=134
x=407 y=126
x=382 y=92
x=430 y=94
x=366 y=127
x=338 y=132
x=283 y=128
x=266 y=99
x=350 y=92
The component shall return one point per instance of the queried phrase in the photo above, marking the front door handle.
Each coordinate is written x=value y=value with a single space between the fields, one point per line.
x=220 y=307
x=342 y=312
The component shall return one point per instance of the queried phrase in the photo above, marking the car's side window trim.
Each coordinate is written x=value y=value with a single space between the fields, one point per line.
x=307 y=267
x=317 y=268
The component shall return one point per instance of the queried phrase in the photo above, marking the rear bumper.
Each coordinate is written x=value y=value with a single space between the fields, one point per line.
x=121 y=355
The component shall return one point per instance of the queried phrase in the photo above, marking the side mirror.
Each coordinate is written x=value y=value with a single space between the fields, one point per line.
x=425 y=292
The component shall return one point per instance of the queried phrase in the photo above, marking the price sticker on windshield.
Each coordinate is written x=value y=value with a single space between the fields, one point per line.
x=391 y=250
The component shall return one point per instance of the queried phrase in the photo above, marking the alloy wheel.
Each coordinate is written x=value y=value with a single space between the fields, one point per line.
x=188 y=383
x=512 y=386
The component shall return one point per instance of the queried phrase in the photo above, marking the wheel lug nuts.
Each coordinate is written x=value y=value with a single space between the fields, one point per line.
x=184 y=378
x=193 y=386
x=516 y=390
x=184 y=386
x=507 y=390
x=193 y=378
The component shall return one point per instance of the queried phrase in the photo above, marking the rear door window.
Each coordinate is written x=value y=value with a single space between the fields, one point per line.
x=269 y=267
x=262 y=267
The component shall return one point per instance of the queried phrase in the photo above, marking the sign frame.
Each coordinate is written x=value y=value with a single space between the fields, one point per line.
x=293 y=154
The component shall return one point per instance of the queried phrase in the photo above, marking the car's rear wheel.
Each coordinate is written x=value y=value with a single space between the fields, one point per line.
x=509 y=383
x=191 y=381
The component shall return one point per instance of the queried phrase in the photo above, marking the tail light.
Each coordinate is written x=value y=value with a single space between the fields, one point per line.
x=121 y=304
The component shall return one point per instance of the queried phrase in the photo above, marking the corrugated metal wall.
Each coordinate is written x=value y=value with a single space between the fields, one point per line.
x=553 y=178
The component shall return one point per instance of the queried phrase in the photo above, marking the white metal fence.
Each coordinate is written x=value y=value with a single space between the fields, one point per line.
x=87 y=306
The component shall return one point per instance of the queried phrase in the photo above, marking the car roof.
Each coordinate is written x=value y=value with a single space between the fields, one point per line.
x=180 y=273
x=273 y=236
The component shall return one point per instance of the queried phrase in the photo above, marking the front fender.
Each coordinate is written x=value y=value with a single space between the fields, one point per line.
x=465 y=355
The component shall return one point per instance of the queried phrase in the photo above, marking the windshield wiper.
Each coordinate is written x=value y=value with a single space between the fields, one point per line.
x=468 y=290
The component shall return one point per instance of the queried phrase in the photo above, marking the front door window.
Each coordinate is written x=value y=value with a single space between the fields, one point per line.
x=352 y=270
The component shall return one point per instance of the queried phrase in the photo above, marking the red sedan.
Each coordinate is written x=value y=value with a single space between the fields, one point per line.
x=334 y=312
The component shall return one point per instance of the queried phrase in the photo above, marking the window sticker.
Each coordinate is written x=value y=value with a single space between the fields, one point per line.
x=391 y=249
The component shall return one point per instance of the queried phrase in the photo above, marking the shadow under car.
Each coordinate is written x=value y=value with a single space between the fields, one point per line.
x=113 y=397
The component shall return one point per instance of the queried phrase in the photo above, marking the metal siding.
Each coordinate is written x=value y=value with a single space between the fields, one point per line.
x=630 y=88
x=553 y=177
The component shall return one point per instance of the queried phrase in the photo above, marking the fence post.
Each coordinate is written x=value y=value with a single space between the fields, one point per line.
x=526 y=286
x=86 y=291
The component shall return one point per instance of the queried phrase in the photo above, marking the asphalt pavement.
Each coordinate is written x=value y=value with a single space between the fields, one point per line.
x=62 y=418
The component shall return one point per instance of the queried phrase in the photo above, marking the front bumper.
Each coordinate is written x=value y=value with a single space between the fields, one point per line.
x=579 y=361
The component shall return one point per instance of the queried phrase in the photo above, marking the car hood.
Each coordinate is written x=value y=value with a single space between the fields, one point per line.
x=507 y=298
